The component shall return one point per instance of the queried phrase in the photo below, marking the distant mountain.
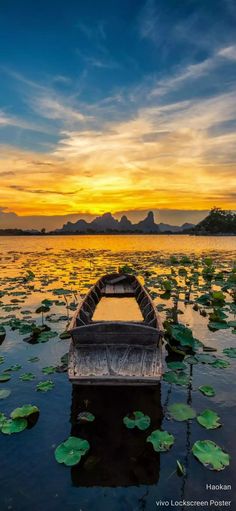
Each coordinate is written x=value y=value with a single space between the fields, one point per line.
x=107 y=223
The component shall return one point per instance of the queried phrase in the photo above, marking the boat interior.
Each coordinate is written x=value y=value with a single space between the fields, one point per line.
x=117 y=297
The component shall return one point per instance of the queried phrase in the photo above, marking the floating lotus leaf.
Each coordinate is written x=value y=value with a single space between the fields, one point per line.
x=24 y=411
x=4 y=393
x=220 y=363
x=181 y=412
x=181 y=470
x=232 y=324
x=206 y=358
x=49 y=370
x=4 y=377
x=218 y=325
x=65 y=335
x=33 y=359
x=210 y=455
x=204 y=299
x=217 y=297
x=45 y=386
x=1 y=360
x=179 y=378
x=209 y=419
x=10 y=426
x=184 y=336
x=86 y=417
x=137 y=419
x=3 y=418
x=45 y=336
x=160 y=440
x=207 y=390
x=191 y=360
x=13 y=368
x=71 y=451
x=230 y=352
x=42 y=309
x=27 y=377
x=177 y=365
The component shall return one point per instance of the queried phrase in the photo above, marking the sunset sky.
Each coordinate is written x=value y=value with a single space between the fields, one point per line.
x=116 y=105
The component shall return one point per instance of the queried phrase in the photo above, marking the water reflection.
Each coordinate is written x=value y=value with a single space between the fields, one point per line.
x=118 y=456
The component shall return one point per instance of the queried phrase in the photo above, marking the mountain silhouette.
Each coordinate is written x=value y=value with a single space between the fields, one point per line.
x=107 y=223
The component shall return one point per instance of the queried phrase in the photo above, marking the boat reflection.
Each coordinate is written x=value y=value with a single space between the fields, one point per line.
x=118 y=456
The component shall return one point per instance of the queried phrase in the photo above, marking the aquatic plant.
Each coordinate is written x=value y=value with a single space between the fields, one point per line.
x=71 y=451
x=137 y=419
x=210 y=455
x=160 y=440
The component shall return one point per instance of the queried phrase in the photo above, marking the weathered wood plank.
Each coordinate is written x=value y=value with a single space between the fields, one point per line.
x=106 y=363
x=115 y=332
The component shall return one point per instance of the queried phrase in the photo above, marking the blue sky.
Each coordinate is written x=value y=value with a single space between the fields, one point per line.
x=138 y=96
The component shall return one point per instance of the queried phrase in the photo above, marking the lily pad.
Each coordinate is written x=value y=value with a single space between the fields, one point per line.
x=210 y=455
x=218 y=325
x=176 y=365
x=27 y=377
x=4 y=393
x=207 y=390
x=220 y=363
x=230 y=352
x=181 y=470
x=10 y=426
x=45 y=386
x=71 y=451
x=24 y=411
x=4 y=377
x=137 y=419
x=181 y=412
x=49 y=370
x=160 y=440
x=206 y=358
x=209 y=419
x=179 y=378
x=33 y=359
x=86 y=417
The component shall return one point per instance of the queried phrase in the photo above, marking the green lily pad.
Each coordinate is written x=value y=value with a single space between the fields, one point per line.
x=230 y=352
x=65 y=335
x=24 y=411
x=86 y=417
x=49 y=370
x=4 y=393
x=13 y=368
x=4 y=377
x=179 y=378
x=210 y=455
x=160 y=440
x=177 y=365
x=184 y=336
x=181 y=470
x=209 y=419
x=206 y=358
x=137 y=419
x=45 y=386
x=181 y=412
x=220 y=363
x=218 y=325
x=1 y=360
x=27 y=377
x=207 y=390
x=71 y=451
x=33 y=359
x=10 y=426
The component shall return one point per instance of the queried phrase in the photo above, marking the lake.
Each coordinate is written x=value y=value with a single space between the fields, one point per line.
x=121 y=472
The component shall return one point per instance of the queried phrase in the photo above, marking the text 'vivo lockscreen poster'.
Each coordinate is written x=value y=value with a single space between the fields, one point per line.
x=117 y=255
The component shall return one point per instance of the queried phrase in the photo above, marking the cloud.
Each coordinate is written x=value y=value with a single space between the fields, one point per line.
x=229 y=52
x=53 y=108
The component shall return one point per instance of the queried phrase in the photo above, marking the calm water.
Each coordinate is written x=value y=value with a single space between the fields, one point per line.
x=121 y=472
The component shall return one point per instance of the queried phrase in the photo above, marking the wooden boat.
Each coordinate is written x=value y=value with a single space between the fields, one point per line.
x=116 y=335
